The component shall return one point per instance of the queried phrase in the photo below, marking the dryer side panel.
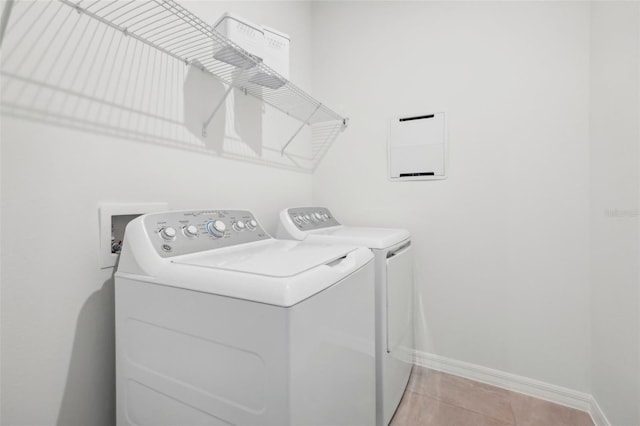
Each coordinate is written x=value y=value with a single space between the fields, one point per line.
x=400 y=300
x=396 y=332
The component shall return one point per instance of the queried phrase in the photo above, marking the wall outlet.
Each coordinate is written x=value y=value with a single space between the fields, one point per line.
x=114 y=218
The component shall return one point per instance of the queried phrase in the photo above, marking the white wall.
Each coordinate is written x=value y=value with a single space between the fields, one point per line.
x=57 y=304
x=615 y=140
x=502 y=246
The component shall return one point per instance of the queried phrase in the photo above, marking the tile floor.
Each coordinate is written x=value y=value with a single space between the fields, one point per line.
x=438 y=399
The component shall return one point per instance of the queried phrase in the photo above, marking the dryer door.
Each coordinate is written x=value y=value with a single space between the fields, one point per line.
x=400 y=300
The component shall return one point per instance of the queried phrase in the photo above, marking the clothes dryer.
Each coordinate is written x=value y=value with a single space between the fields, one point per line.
x=394 y=293
x=218 y=323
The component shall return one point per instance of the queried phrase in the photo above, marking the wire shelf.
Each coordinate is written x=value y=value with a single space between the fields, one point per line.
x=70 y=70
x=173 y=30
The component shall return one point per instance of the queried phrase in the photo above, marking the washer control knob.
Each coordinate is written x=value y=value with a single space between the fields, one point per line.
x=317 y=216
x=216 y=228
x=239 y=226
x=168 y=233
x=306 y=218
x=297 y=219
x=252 y=225
x=325 y=216
x=190 y=231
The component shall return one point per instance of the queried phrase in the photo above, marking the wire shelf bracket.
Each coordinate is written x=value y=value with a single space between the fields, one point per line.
x=173 y=30
x=215 y=110
x=304 y=123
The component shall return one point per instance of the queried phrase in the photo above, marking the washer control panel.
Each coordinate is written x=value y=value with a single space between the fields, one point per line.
x=184 y=232
x=310 y=218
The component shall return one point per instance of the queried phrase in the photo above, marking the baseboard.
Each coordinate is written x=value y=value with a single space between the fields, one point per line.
x=538 y=389
x=599 y=419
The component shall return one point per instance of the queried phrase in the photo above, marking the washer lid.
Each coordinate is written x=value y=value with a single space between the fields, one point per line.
x=272 y=258
x=374 y=238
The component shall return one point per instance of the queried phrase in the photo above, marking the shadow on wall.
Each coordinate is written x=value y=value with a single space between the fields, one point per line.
x=67 y=69
x=92 y=371
x=236 y=118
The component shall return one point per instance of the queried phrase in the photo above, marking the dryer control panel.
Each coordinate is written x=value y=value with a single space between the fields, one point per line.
x=184 y=232
x=310 y=218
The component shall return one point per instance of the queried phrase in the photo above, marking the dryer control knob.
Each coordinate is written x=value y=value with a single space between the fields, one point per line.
x=190 y=231
x=306 y=218
x=317 y=216
x=216 y=228
x=168 y=233
x=297 y=219
x=252 y=224
x=239 y=226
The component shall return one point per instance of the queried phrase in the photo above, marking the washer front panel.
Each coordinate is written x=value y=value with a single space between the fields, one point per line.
x=170 y=236
x=311 y=218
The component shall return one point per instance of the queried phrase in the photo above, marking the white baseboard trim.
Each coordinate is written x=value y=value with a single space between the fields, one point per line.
x=556 y=394
x=599 y=419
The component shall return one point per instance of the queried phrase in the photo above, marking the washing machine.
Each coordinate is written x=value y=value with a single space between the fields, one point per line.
x=394 y=293
x=218 y=323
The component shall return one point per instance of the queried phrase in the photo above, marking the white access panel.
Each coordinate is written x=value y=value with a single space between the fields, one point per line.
x=417 y=147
